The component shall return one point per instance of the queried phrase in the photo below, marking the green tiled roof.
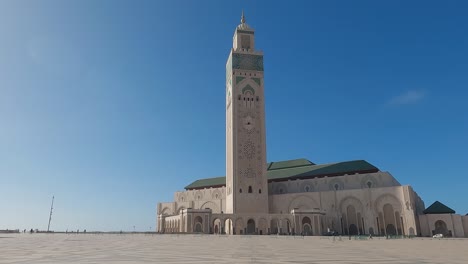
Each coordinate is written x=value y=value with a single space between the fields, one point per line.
x=288 y=164
x=210 y=182
x=438 y=208
x=331 y=169
x=296 y=169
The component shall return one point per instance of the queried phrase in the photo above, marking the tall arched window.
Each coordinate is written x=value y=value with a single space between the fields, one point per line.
x=250 y=189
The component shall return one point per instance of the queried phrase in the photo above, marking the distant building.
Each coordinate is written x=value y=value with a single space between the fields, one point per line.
x=293 y=196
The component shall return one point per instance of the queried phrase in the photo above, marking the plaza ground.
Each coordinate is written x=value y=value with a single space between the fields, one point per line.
x=147 y=248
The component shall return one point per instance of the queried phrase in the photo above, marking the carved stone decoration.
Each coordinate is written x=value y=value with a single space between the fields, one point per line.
x=259 y=177
x=249 y=149
x=248 y=123
x=249 y=173
x=247 y=62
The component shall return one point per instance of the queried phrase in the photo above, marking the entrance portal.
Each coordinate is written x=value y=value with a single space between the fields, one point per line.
x=391 y=230
x=353 y=231
x=198 y=228
x=441 y=228
x=250 y=227
x=307 y=229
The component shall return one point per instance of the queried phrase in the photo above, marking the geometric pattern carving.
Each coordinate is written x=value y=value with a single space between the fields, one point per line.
x=248 y=88
x=257 y=80
x=248 y=173
x=247 y=62
x=239 y=79
x=249 y=149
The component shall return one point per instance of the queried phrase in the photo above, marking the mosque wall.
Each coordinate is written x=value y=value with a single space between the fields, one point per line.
x=345 y=182
x=450 y=225
x=362 y=203
x=465 y=225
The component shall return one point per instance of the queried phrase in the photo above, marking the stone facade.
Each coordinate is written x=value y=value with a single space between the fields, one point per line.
x=449 y=225
x=313 y=201
x=345 y=204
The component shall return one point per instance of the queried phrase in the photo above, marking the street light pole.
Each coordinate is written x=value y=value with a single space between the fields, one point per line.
x=50 y=216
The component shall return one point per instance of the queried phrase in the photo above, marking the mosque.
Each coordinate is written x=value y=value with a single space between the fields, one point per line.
x=292 y=196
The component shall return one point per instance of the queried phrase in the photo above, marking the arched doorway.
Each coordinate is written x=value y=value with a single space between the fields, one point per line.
x=440 y=228
x=250 y=227
x=217 y=226
x=198 y=226
x=352 y=220
x=353 y=231
x=228 y=226
x=306 y=226
x=389 y=220
x=391 y=230
x=274 y=224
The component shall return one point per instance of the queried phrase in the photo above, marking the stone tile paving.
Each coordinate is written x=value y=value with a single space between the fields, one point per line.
x=141 y=248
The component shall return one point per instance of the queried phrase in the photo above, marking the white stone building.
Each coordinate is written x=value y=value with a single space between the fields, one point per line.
x=294 y=196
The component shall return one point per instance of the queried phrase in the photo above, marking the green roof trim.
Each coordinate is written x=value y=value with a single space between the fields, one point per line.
x=209 y=182
x=438 y=208
x=296 y=169
x=331 y=169
x=289 y=164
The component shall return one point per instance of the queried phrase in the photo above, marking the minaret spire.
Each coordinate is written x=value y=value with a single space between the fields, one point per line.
x=243 y=17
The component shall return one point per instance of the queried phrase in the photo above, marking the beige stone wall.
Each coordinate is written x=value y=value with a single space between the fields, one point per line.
x=368 y=203
x=321 y=194
x=465 y=225
x=456 y=224
x=345 y=182
x=212 y=198
x=424 y=226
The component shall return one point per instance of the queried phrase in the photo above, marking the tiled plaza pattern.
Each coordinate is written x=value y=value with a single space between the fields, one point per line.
x=140 y=248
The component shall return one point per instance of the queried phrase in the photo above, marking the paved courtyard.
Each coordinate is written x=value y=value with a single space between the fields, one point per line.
x=141 y=248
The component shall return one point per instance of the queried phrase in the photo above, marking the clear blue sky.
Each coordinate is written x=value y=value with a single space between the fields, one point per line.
x=112 y=106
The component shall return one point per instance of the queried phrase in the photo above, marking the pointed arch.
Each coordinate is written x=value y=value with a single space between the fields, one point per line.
x=166 y=211
x=179 y=210
x=351 y=200
x=390 y=199
x=248 y=88
x=303 y=202
x=210 y=205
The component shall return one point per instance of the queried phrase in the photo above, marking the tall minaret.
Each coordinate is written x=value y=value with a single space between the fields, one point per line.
x=246 y=181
